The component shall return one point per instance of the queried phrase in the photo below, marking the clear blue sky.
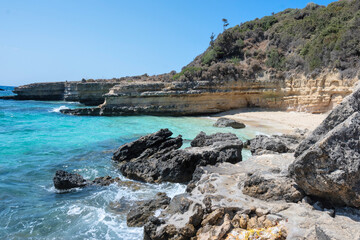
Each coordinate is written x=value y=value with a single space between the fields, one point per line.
x=58 y=40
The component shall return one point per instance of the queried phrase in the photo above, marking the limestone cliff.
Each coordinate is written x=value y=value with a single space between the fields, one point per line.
x=88 y=93
x=200 y=97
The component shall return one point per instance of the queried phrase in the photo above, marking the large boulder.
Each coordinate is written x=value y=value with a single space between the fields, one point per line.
x=328 y=161
x=157 y=157
x=330 y=168
x=226 y=122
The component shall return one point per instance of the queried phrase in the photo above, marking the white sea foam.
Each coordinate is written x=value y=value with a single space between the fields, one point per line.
x=58 y=109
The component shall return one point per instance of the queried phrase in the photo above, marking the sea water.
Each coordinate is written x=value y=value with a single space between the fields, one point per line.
x=36 y=140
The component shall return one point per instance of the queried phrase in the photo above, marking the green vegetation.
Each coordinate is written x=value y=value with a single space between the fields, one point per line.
x=187 y=71
x=302 y=40
x=275 y=59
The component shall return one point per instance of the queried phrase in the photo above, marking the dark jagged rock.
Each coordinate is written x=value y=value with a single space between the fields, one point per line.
x=262 y=144
x=226 y=122
x=139 y=214
x=157 y=157
x=330 y=169
x=64 y=180
x=147 y=145
x=280 y=188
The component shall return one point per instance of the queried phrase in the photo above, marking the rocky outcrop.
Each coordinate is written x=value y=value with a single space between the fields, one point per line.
x=226 y=122
x=328 y=162
x=219 y=207
x=263 y=144
x=41 y=91
x=143 y=210
x=157 y=157
x=65 y=181
x=280 y=188
x=88 y=93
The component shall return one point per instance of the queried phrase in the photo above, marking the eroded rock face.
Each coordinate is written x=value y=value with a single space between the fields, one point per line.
x=143 y=210
x=330 y=169
x=226 y=122
x=157 y=157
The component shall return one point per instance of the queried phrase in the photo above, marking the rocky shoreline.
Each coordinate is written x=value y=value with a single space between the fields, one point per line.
x=300 y=186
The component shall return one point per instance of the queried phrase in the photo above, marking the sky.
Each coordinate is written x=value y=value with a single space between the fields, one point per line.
x=67 y=40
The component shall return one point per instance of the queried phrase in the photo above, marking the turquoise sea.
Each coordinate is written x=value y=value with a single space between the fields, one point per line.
x=36 y=140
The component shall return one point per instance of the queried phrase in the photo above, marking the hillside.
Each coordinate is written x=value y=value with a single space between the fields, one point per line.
x=309 y=41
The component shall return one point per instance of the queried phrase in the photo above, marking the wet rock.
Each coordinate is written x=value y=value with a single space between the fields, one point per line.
x=143 y=210
x=280 y=188
x=226 y=122
x=262 y=144
x=64 y=180
x=330 y=168
x=157 y=157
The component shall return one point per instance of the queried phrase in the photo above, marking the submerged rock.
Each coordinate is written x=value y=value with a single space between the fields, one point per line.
x=226 y=122
x=157 y=157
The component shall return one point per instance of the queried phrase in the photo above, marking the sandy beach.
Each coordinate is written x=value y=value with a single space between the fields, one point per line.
x=275 y=121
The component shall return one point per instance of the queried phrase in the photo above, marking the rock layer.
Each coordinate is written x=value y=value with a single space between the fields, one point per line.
x=212 y=96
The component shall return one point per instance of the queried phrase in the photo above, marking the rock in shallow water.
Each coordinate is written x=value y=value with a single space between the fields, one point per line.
x=157 y=157
x=226 y=122
x=64 y=180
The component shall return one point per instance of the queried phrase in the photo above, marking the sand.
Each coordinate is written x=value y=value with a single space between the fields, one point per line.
x=271 y=122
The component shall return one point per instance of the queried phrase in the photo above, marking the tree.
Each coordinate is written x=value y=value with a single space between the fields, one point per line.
x=226 y=23
x=212 y=39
